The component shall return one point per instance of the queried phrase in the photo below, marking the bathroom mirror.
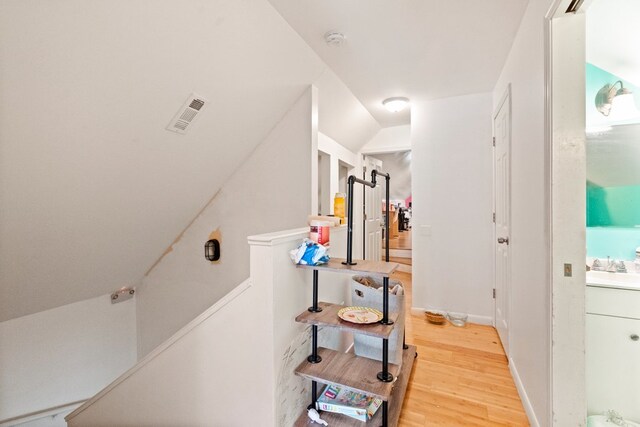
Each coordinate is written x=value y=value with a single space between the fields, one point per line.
x=612 y=96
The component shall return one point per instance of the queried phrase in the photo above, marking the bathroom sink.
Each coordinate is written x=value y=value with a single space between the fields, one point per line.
x=614 y=280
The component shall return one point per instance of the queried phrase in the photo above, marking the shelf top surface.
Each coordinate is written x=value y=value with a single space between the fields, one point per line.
x=329 y=317
x=353 y=372
x=395 y=402
x=362 y=266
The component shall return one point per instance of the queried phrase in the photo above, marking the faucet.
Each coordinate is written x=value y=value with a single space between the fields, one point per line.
x=621 y=267
x=597 y=266
x=611 y=265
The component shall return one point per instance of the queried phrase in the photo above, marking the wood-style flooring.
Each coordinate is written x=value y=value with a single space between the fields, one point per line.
x=461 y=376
x=403 y=241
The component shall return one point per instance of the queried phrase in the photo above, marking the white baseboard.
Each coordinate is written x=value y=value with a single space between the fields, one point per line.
x=473 y=318
x=533 y=420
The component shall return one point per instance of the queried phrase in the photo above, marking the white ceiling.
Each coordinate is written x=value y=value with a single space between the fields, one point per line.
x=93 y=189
x=421 y=49
x=613 y=37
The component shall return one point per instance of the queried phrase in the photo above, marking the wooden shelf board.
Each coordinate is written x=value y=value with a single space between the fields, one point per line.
x=395 y=402
x=329 y=317
x=347 y=369
x=363 y=266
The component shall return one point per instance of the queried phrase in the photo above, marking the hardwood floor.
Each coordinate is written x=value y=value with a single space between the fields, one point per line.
x=461 y=376
x=399 y=260
x=403 y=241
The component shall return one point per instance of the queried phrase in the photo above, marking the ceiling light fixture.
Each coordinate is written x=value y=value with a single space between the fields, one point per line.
x=334 y=38
x=617 y=104
x=395 y=104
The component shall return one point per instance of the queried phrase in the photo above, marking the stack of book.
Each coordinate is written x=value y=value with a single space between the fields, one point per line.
x=342 y=401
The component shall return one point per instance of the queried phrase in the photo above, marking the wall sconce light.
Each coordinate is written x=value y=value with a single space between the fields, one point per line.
x=395 y=104
x=617 y=104
x=212 y=250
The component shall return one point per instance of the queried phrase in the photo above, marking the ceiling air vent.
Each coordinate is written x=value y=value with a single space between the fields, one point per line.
x=187 y=114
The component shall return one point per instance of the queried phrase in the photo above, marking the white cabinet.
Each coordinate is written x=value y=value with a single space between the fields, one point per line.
x=613 y=354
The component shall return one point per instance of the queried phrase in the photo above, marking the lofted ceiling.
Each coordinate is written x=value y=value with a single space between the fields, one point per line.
x=93 y=189
x=421 y=49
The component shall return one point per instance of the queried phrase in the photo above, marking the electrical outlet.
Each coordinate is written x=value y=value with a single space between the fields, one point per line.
x=568 y=270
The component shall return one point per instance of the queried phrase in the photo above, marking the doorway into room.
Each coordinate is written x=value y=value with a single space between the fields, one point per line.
x=502 y=216
x=398 y=165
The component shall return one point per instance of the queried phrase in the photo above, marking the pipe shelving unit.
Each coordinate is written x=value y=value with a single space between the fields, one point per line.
x=350 y=371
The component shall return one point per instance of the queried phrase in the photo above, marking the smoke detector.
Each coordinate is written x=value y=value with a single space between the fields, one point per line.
x=334 y=38
x=187 y=114
x=122 y=294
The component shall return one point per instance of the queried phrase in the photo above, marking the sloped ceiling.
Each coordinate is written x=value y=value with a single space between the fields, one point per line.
x=613 y=36
x=92 y=187
x=422 y=49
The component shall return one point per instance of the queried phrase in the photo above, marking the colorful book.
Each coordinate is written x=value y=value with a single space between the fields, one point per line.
x=342 y=401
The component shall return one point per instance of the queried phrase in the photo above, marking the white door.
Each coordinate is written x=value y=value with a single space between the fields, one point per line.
x=372 y=212
x=502 y=209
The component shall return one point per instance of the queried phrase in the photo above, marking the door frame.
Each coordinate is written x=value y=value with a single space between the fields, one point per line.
x=565 y=206
x=506 y=97
x=367 y=177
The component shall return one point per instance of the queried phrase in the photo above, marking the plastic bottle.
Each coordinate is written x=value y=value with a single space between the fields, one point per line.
x=338 y=206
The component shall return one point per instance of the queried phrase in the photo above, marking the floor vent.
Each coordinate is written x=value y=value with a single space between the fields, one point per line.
x=187 y=114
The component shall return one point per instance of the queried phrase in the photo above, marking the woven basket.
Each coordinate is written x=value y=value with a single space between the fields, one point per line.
x=435 y=318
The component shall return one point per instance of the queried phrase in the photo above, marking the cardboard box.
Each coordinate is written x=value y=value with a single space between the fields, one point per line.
x=371 y=296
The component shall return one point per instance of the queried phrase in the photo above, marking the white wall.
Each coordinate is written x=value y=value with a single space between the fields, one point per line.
x=568 y=237
x=398 y=166
x=389 y=140
x=341 y=116
x=64 y=354
x=232 y=365
x=452 y=183
x=269 y=191
x=112 y=187
x=205 y=375
x=530 y=312
x=336 y=155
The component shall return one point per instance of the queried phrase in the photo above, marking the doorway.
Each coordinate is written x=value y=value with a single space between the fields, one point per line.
x=502 y=217
x=398 y=165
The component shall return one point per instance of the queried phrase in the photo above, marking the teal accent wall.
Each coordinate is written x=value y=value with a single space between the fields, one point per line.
x=616 y=242
x=613 y=206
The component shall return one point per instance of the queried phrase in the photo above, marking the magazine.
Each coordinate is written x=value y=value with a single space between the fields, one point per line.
x=340 y=400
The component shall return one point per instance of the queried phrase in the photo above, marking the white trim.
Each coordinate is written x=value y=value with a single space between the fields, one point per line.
x=473 y=318
x=43 y=413
x=314 y=149
x=506 y=99
x=387 y=150
x=567 y=401
x=528 y=408
x=548 y=136
x=271 y=239
x=235 y=293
